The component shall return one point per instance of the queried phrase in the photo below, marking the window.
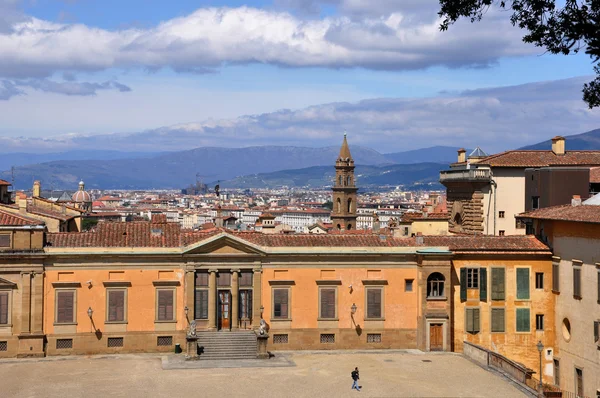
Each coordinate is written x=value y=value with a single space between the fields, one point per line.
x=374 y=296
x=555 y=275
x=245 y=304
x=522 y=283
x=539 y=280
x=498 y=284
x=472 y=278
x=65 y=306
x=165 y=306
x=556 y=373
x=408 y=285
x=280 y=339
x=64 y=344
x=435 y=285
x=164 y=341
x=498 y=320
x=501 y=214
x=405 y=231
x=577 y=282
x=3 y=345
x=579 y=382
x=202 y=279
x=114 y=342
x=523 y=323
x=373 y=337
x=596 y=331
x=327 y=305
x=501 y=232
x=224 y=278
x=598 y=285
x=328 y=338
x=116 y=305
x=201 y=304
x=246 y=279
x=472 y=320
x=280 y=303
x=535 y=202
x=4 y=320
x=5 y=240
x=539 y=322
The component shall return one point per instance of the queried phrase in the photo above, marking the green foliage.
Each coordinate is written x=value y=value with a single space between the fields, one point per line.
x=88 y=223
x=328 y=205
x=560 y=30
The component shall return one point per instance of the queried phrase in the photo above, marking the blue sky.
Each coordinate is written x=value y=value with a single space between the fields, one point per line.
x=87 y=67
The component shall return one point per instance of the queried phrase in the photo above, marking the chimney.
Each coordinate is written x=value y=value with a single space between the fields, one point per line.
x=576 y=201
x=22 y=205
x=37 y=189
x=462 y=155
x=558 y=145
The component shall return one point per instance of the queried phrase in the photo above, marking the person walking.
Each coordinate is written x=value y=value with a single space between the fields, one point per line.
x=355 y=377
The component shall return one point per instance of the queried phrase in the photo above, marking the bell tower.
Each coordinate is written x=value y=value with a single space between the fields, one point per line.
x=343 y=215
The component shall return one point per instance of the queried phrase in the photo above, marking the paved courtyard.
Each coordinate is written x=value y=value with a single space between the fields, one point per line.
x=397 y=374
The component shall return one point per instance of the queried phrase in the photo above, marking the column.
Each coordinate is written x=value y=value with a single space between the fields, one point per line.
x=212 y=299
x=256 y=297
x=235 y=291
x=25 y=303
x=190 y=290
x=37 y=303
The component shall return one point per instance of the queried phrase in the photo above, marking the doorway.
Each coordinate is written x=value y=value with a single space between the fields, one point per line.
x=436 y=337
x=224 y=310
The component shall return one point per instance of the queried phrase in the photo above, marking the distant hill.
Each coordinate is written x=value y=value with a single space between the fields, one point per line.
x=322 y=176
x=582 y=142
x=439 y=154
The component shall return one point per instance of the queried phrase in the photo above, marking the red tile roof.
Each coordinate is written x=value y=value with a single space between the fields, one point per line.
x=582 y=213
x=3 y=182
x=595 y=175
x=11 y=219
x=523 y=159
x=483 y=243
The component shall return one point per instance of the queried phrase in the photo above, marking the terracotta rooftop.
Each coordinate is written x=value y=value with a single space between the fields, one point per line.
x=595 y=175
x=582 y=213
x=4 y=182
x=11 y=219
x=542 y=159
x=487 y=243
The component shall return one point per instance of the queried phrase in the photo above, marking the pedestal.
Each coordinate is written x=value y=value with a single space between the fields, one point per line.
x=192 y=348
x=263 y=339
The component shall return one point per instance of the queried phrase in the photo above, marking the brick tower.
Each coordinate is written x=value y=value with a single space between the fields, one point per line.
x=343 y=215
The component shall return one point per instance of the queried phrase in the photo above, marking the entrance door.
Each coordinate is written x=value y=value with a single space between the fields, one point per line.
x=436 y=337
x=224 y=309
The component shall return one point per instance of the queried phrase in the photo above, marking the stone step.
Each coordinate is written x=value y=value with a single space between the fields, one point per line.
x=228 y=345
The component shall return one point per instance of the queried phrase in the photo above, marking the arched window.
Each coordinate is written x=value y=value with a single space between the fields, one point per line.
x=340 y=180
x=349 y=205
x=339 y=226
x=349 y=227
x=435 y=285
x=339 y=205
x=457 y=219
x=348 y=181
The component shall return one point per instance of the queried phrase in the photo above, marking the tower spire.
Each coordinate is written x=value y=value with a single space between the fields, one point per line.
x=345 y=149
x=344 y=189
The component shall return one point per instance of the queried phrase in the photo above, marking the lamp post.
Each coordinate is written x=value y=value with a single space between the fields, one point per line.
x=540 y=348
x=90 y=312
x=353 y=309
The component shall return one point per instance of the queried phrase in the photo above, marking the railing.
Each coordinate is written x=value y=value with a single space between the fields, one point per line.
x=464 y=174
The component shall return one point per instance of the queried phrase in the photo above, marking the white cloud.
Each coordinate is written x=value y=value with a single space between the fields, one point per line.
x=493 y=118
x=212 y=37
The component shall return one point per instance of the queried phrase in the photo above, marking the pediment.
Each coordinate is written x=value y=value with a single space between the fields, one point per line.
x=7 y=284
x=223 y=244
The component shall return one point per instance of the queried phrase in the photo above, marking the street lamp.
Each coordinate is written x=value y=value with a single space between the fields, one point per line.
x=90 y=312
x=186 y=309
x=540 y=348
x=353 y=309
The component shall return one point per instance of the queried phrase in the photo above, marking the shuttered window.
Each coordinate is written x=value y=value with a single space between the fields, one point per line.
x=483 y=284
x=5 y=240
x=116 y=305
x=498 y=320
x=577 y=282
x=280 y=303
x=522 y=283
x=165 y=310
x=523 y=320
x=555 y=276
x=201 y=304
x=3 y=308
x=498 y=284
x=327 y=303
x=65 y=302
x=374 y=303
x=472 y=320
x=463 y=284
x=472 y=278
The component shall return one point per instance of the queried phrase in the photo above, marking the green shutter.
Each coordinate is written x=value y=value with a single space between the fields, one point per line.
x=469 y=320
x=577 y=282
x=522 y=283
x=498 y=289
x=523 y=320
x=463 y=284
x=483 y=284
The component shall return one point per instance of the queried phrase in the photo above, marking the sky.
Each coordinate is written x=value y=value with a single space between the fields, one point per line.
x=153 y=75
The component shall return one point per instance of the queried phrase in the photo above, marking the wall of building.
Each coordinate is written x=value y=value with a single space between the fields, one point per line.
x=398 y=329
x=517 y=346
x=510 y=198
x=429 y=227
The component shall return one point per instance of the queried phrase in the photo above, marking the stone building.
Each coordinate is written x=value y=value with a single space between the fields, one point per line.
x=343 y=214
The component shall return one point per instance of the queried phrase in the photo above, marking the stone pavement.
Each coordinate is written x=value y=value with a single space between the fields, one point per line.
x=315 y=374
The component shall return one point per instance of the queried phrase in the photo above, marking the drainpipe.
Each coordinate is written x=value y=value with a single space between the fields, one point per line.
x=487 y=223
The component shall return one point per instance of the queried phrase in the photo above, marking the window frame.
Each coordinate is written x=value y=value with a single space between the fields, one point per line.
x=74 y=316
x=539 y=277
x=8 y=308
x=125 y=312
x=381 y=304
x=496 y=309
x=431 y=283
x=289 y=301
x=494 y=293
x=474 y=280
x=517 y=297
x=556 y=274
x=411 y=282
x=472 y=310
x=501 y=214
x=501 y=232
x=517 y=320
x=9 y=235
x=196 y=310
x=539 y=317
x=335 y=299
x=249 y=307
x=577 y=278
x=156 y=309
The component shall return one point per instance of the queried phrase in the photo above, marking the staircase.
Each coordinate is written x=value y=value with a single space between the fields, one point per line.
x=228 y=345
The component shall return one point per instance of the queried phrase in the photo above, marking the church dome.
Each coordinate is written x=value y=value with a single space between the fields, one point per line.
x=81 y=196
